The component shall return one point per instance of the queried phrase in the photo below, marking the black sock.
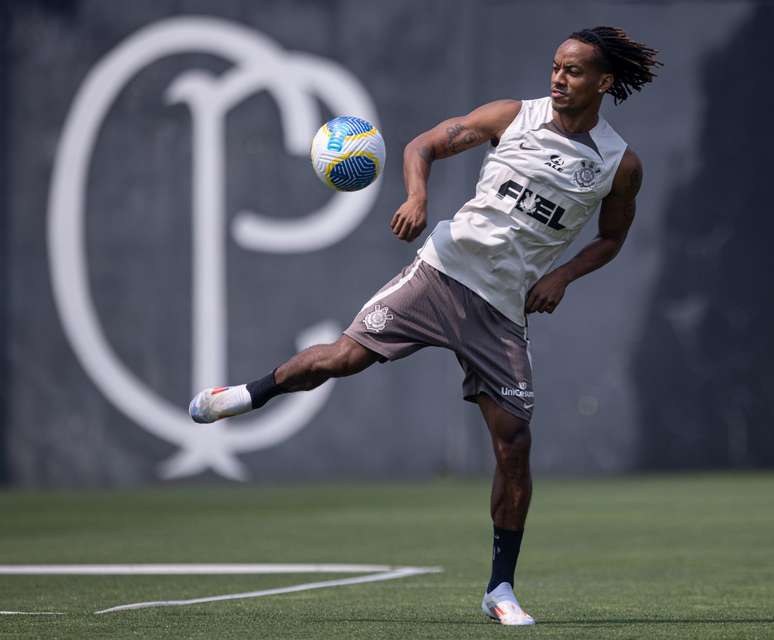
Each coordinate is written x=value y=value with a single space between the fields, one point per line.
x=263 y=390
x=505 y=553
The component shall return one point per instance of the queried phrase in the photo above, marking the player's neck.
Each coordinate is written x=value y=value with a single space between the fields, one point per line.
x=579 y=122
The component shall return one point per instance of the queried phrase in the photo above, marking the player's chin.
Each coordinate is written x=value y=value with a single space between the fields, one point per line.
x=558 y=97
x=561 y=102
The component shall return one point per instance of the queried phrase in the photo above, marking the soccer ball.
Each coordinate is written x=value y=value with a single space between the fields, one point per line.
x=348 y=153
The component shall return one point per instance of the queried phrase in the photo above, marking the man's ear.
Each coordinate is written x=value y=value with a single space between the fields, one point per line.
x=605 y=82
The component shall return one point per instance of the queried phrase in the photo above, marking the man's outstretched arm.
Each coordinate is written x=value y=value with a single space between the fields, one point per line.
x=446 y=139
x=615 y=218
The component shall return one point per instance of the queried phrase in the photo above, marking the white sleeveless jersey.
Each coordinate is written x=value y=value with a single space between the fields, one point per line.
x=537 y=189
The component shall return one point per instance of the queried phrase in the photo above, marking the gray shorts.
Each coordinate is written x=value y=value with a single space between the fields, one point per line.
x=422 y=307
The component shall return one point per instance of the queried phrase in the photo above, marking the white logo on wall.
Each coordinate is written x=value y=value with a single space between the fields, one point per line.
x=295 y=80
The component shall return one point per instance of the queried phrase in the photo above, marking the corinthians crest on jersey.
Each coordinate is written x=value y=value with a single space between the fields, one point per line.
x=585 y=176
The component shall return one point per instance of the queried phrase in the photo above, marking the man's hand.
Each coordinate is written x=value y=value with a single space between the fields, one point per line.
x=410 y=219
x=547 y=292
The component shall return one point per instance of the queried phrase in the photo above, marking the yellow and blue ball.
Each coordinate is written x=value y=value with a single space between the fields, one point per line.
x=348 y=153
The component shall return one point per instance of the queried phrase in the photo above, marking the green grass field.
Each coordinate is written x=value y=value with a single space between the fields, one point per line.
x=645 y=557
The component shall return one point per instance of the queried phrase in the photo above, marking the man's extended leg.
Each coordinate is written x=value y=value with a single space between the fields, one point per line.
x=511 y=493
x=313 y=366
x=304 y=371
x=396 y=322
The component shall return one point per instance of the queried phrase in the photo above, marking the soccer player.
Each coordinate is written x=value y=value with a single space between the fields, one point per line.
x=551 y=164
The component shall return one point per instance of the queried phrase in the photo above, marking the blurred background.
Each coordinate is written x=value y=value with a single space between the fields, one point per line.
x=127 y=130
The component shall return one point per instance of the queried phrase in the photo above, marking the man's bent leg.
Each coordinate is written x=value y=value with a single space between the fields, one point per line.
x=306 y=370
x=511 y=493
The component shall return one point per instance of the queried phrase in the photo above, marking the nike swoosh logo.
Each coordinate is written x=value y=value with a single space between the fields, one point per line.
x=529 y=406
x=521 y=146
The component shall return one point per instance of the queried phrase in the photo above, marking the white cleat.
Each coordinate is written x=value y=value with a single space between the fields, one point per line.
x=219 y=402
x=502 y=606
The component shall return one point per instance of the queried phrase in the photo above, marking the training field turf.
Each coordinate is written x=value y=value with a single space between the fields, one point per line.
x=646 y=557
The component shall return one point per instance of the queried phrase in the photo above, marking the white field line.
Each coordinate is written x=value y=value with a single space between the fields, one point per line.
x=183 y=569
x=401 y=572
x=31 y=613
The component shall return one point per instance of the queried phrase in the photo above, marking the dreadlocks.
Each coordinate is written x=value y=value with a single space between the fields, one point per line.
x=630 y=62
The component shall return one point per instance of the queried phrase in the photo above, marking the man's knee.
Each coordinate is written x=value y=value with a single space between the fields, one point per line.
x=511 y=435
x=512 y=454
x=517 y=432
x=515 y=440
x=505 y=427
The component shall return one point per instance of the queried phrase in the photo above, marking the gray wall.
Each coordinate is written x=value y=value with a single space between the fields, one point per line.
x=661 y=359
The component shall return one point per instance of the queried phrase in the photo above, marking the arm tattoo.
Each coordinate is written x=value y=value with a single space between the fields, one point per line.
x=459 y=138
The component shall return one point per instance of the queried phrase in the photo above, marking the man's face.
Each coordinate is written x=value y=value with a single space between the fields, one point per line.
x=577 y=80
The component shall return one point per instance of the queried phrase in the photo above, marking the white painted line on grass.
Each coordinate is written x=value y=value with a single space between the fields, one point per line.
x=183 y=569
x=401 y=572
x=31 y=613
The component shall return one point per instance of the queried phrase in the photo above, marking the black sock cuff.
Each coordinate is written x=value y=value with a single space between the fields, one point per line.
x=509 y=534
x=505 y=554
x=263 y=390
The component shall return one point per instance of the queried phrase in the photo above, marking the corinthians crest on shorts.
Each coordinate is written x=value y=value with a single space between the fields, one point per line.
x=377 y=319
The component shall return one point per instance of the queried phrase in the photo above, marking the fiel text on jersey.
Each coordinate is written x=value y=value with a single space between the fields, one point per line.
x=533 y=204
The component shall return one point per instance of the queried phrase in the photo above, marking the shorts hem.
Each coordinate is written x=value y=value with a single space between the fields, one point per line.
x=513 y=410
x=369 y=343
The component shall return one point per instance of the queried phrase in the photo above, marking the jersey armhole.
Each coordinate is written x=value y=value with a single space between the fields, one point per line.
x=516 y=121
x=526 y=111
x=613 y=173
